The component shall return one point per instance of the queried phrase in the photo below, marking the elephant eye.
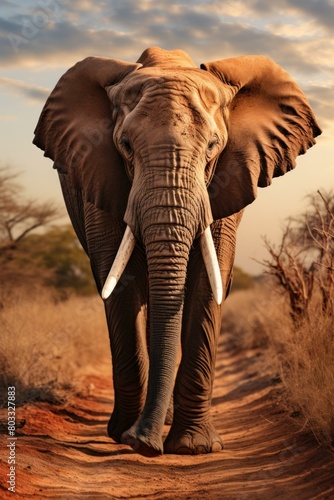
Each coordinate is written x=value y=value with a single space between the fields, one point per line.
x=213 y=142
x=126 y=145
x=212 y=145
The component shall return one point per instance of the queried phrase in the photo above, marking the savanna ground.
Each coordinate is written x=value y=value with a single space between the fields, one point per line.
x=273 y=393
x=56 y=354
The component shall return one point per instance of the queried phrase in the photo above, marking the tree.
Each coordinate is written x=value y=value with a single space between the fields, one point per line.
x=241 y=280
x=303 y=264
x=59 y=259
x=30 y=258
x=20 y=216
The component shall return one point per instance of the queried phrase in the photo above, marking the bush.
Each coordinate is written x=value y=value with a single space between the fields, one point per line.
x=241 y=280
x=303 y=270
x=32 y=252
x=290 y=316
x=303 y=265
x=54 y=258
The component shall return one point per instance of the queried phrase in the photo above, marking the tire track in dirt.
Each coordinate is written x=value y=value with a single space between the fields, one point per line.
x=63 y=451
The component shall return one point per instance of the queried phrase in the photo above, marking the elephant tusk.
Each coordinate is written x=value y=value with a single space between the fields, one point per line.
x=211 y=265
x=122 y=258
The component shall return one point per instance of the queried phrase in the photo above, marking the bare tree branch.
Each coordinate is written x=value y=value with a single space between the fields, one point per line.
x=304 y=263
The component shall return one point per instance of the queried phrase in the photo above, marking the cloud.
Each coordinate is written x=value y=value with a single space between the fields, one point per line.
x=73 y=30
x=61 y=44
x=322 y=13
x=33 y=93
x=57 y=33
x=321 y=98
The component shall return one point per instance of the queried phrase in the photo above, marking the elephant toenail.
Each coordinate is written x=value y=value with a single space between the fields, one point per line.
x=216 y=447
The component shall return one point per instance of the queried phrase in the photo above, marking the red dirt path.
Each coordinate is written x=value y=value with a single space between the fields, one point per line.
x=63 y=452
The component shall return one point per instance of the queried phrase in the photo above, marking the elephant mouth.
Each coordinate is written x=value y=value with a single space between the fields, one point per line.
x=128 y=244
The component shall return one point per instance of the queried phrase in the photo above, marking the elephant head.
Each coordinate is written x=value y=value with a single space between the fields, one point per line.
x=168 y=148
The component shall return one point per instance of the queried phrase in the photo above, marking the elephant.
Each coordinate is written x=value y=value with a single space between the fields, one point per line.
x=157 y=160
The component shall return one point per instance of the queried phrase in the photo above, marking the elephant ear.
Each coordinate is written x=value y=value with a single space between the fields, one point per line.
x=270 y=123
x=75 y=130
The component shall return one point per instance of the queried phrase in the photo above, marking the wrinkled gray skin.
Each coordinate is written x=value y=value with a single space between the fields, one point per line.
x=168 y=149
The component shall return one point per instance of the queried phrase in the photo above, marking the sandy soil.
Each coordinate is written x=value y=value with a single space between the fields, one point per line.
x=63 y=452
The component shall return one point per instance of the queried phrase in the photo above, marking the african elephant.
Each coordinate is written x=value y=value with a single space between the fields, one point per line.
x=168 y=155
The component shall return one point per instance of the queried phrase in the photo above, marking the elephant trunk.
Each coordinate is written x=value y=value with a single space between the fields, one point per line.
x=167 y=250
x=167 y=221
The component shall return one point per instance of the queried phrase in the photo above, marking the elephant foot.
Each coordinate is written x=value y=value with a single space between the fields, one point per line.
x=194 y=440
x=118 y=424
x=148 y=446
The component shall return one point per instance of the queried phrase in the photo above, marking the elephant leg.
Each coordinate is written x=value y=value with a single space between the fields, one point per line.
x=192 y=431
x=170 y=411
x=126 y=314
x=100 y=235
x=125 y=309
x=127 y=317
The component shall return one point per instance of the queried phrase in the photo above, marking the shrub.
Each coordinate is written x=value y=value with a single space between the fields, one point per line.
x=303 y=265
x=303 y=269
x=241 y=280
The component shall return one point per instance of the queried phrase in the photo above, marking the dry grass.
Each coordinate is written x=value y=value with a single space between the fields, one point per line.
x=46 y=346
x=306 y=355
x=303 y=355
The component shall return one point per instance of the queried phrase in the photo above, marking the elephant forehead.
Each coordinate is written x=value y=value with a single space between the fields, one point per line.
x=190 y=84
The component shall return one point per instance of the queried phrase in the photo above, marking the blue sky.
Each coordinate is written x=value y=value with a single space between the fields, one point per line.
x=40 y=40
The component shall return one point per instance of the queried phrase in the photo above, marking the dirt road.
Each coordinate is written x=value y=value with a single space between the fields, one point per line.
x=62 y=452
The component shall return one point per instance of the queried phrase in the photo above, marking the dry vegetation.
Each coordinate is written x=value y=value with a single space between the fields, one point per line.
x=47 y=346
x=303 y=270
x=302 y=357
x=292 y=315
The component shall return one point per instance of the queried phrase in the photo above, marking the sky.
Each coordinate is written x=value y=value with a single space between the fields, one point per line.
x=41 y=39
